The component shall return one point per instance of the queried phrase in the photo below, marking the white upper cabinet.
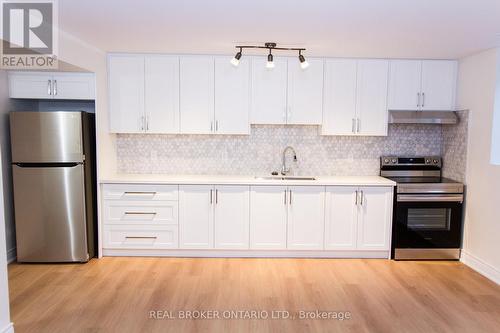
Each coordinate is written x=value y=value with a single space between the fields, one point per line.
x=52 y=85
x=439 y=79
x=232 y=96
x=305 y=92
x=269 y=91
x=144 y=93
x=287 y=94
x=371 y=98
x=268 y=217
x=197 y=94
x=404 y=84
x=126 y=93
x=232 y=217
x=73 y=86
x=306 y=217
x=339 y=96
x=162 y=94
x=30 y=85
x=374 y=216
x=422 y=85
x=355 y=97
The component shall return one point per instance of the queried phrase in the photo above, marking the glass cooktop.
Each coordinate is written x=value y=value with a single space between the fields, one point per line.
x=422 y=180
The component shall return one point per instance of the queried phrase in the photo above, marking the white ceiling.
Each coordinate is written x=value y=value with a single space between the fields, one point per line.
x=357 y=28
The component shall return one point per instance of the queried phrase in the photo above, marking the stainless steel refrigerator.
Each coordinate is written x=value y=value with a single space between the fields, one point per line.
x=53 y=167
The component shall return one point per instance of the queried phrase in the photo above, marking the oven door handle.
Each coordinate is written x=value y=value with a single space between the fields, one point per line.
x=430 y=198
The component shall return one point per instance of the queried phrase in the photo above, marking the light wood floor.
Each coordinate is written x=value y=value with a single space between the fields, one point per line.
x=117 y=294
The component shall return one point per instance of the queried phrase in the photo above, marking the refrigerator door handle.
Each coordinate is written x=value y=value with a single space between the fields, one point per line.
x=48 y=165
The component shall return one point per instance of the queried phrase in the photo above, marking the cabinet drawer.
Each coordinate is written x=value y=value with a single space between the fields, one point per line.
x=140 y=192
x=141 y=237
x=140 y=212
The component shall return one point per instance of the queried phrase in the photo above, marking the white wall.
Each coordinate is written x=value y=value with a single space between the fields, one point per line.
x=5 y=324
x=476 y=91
x=5 y=166
x=495 y=139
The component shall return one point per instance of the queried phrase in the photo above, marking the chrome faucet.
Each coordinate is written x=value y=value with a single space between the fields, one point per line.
x=284 y=169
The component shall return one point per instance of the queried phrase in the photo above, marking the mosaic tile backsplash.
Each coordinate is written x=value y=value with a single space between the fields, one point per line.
x=260 y=152
x=454 y=149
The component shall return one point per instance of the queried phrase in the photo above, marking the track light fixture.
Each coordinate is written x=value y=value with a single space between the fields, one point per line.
x=270 y=62
x=236 y=60
x=303 y=62
x=269 y=46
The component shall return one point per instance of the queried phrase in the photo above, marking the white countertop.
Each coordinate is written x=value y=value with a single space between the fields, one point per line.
x=244 y=180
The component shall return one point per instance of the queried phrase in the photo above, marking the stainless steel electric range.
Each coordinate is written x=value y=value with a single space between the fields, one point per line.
x=427 y=221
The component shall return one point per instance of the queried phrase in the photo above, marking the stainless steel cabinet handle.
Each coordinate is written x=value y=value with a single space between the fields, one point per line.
x=142 y=123
x=353 y=125
x=216 y=196
x=423 y=99
x=211 y=126
x=147 y=123
x=49 y=87
x=356 y=197
x=211 y=198
x=139 y=193
x=55 y=87
x=418 y=100
x=140 y=213
x=357 y=126
x=362 y=198
x=290 y=199
x=141 y=237
x=285 y=198
x=216 y=125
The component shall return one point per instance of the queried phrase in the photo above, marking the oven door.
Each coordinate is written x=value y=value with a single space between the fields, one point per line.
x=430 y=221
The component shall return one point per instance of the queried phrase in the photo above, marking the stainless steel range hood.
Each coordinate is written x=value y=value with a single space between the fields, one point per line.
x=423 y=117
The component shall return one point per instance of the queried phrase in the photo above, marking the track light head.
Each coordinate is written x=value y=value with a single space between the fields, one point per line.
x=236 y=60
x=303 y=62
x=270 y=62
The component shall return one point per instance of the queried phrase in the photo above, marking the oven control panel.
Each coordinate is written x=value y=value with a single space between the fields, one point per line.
x=411 y=161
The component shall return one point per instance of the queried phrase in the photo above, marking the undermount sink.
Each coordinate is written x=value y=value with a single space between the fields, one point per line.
x=285 y=178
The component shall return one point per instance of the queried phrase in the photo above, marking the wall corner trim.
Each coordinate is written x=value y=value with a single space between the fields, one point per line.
x=7 y=329
x=11 y=257
x=480 y=266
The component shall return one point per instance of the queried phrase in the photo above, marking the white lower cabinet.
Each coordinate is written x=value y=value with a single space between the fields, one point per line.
x=358 y=218
x=341 y=214
x=213 y=217
x=284 y=217
x=143 y=237
x=133 y=212
x=306 y=217
x=348 y=220
x=268 y=217
x=140 y=217
x=375 y=213
x=196 y=216
x=232 y=217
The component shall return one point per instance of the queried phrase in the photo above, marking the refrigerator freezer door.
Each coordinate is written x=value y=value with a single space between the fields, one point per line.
x=50 y=214
x=46 y=137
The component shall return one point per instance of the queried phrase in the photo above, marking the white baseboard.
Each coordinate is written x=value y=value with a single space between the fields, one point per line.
x=480 y=266
x=11 y=255
x=7 y=329
x=245 y=253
